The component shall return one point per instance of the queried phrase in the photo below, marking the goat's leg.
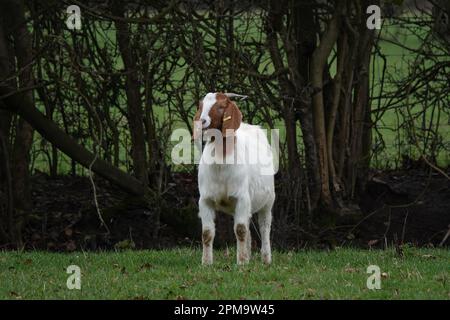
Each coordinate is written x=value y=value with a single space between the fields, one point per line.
x=249 y=243
x=207 y=214
x=264 y=222
x=241 y=229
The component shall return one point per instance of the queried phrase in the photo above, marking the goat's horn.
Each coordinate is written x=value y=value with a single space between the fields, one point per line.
x=235 y=95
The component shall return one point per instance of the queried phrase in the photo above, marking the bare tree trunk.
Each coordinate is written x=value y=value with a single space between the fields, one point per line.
x=134 y=103
x=341 y=143
x=24 y=132
x=331 y=123
x=305 y=40
x=361 y=137
x=7 y=221
x=299 y=44
x=6 y=70
x=318 y=63
x=23 y=137
x=7 y=228
x=287 y=88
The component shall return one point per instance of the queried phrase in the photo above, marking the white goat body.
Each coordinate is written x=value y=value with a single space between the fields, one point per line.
x=241 y=185
x=237 y=173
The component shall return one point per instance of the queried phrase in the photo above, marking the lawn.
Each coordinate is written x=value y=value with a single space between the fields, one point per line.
x=177 y=274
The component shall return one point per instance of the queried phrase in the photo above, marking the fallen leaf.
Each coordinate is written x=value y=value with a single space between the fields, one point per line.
x=15 y=295
x=146 y=266
x=350 y=270
x=310 y=292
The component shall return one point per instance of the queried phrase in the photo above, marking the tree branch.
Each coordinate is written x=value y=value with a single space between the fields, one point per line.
x=21 y=105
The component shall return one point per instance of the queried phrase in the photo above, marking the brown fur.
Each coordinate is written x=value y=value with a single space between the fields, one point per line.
x=206 y=237
x=224 y=108
x=225 y=115
x=242 y=256
x=241 y=232
x=234 y=116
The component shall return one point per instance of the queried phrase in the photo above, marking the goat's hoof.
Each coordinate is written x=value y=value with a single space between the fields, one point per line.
x=243 y=260
x=266 y=259
x=207 y=262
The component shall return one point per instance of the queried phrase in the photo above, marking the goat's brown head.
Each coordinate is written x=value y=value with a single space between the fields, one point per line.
x=217 y=111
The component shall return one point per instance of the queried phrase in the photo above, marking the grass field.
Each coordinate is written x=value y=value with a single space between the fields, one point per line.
x=177 y=274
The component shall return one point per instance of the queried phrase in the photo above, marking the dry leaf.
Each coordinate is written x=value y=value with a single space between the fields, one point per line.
x=146 y=266
x=15 y=295
x=350 y=270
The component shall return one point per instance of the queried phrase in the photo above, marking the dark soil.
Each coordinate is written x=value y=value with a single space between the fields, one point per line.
x=408 y=206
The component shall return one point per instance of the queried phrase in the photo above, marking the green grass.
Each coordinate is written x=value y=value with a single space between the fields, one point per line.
x=172 y=274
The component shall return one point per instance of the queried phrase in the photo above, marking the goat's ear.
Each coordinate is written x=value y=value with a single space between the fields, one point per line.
x=232 y=118
x=197 y=127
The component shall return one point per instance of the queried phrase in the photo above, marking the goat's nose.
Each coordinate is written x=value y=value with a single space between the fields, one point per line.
x=203 y=122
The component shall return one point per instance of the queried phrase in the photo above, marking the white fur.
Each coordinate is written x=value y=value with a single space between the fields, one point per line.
x=240 y=188
x=208 y=101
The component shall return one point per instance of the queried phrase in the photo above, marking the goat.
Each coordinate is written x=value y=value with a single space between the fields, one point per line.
x=239 y=187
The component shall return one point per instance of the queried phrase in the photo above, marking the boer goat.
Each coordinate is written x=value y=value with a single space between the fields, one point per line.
x=228 y=180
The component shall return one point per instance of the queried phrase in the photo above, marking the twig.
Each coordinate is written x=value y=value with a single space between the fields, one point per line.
x=91 y=178
x=413 y=129
x=445 y=237
x=404 y=227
